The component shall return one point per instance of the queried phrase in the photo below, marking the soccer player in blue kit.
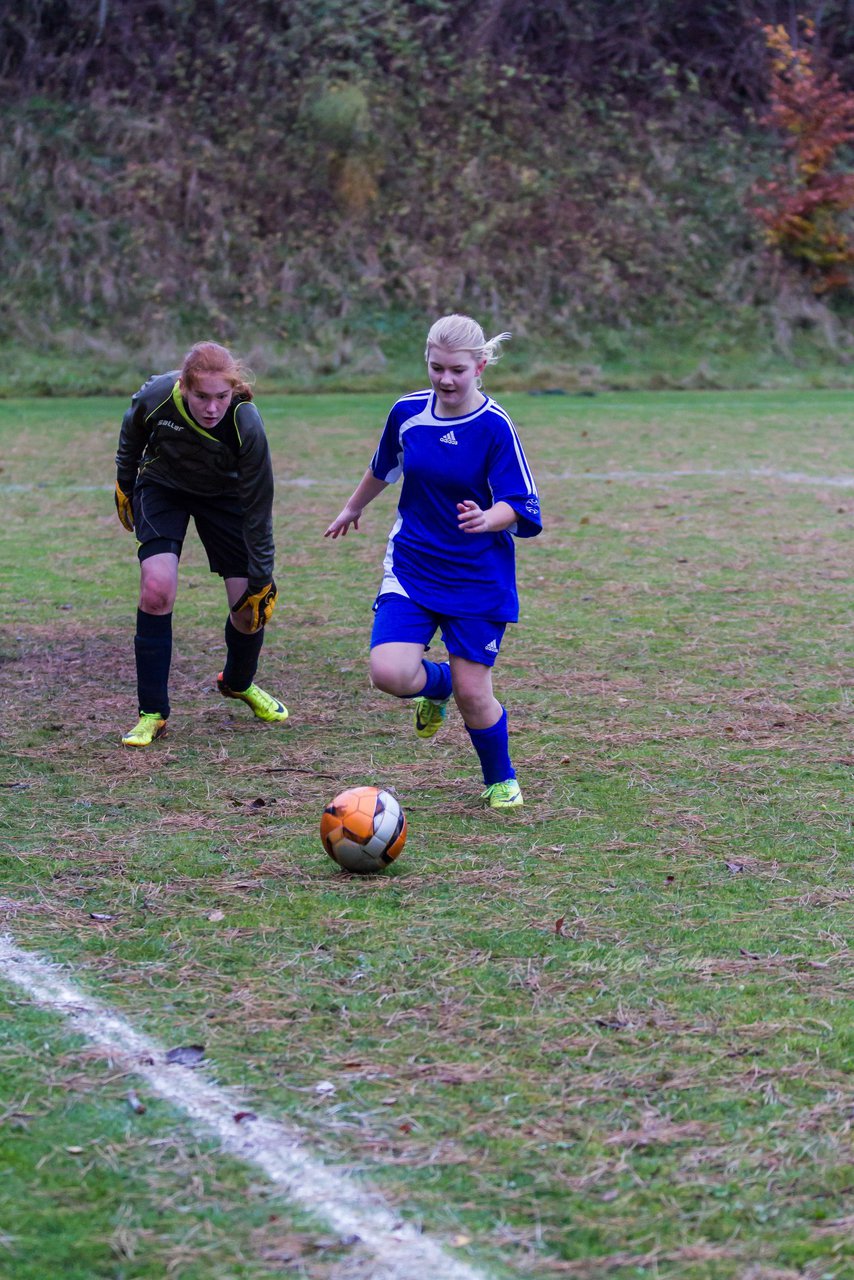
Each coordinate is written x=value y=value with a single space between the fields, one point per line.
x=450 y=561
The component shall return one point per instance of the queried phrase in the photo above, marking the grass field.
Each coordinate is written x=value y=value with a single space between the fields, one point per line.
x=607 y=1036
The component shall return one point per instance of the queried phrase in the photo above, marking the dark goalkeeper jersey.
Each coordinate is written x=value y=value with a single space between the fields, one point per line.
x=161 y=441
x=444 y=461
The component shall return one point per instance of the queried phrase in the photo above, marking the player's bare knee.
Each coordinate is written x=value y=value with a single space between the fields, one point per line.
x=477 y=707
x=242 y=625
x=156 y=597
x=390 y=682
x=392 y=679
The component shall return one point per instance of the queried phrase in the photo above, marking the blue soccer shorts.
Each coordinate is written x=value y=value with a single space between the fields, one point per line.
x=399 y=620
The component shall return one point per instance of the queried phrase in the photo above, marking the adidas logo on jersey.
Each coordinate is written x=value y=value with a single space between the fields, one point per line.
x=450 y=438
x=492 y=647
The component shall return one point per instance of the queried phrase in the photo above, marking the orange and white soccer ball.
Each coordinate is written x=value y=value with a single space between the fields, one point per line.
x=363 y=829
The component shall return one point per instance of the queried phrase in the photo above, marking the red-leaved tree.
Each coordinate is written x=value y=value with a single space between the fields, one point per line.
x=804 y=207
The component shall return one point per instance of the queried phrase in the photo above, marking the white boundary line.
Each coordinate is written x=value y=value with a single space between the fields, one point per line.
x=400 y=1250
x=686 y=473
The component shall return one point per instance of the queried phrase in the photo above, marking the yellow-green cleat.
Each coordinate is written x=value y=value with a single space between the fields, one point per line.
x=263 y=704
x=151 y=725
x=429 y=716
x=503 y=795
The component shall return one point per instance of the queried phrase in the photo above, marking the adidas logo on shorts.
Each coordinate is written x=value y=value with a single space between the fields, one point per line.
x=450 y=438
x=492 y=647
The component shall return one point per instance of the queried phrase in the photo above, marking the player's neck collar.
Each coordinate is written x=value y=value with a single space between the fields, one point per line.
x=457 y=417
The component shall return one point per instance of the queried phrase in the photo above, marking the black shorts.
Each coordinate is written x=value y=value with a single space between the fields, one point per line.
x=162 y=515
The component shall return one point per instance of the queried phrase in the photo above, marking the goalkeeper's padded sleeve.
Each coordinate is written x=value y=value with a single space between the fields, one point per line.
x=261 y=601
x=124 y=506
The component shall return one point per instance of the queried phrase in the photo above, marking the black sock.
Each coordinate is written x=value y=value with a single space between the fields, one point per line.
x=153 y=648
x=243 y=654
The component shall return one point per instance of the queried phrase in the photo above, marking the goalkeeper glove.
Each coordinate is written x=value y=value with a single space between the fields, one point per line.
x=124 y=506
x=261 y=601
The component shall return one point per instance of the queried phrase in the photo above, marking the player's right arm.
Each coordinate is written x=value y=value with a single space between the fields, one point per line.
x=368 y=488
x=133 y=438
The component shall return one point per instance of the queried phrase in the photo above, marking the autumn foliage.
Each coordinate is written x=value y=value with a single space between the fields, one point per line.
x=804 y=206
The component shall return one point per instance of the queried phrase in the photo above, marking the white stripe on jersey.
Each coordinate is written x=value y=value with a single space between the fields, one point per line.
x=390 y=583
x=517 y=446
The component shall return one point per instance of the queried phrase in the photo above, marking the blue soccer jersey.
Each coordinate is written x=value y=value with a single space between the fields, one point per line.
x=444 y=461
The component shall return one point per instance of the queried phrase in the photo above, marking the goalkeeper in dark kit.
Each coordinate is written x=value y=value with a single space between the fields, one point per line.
x=192 y=443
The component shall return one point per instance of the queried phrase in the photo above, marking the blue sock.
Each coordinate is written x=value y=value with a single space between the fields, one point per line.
x=438 y=683
x=493 y=748
x=243 y=652
x=152 y=646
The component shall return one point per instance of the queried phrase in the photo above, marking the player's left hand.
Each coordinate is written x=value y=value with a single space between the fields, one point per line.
x=259 y=603
x=471 y=518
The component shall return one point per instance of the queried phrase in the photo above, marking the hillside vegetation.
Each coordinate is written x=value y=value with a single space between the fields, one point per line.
x=313 y=180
